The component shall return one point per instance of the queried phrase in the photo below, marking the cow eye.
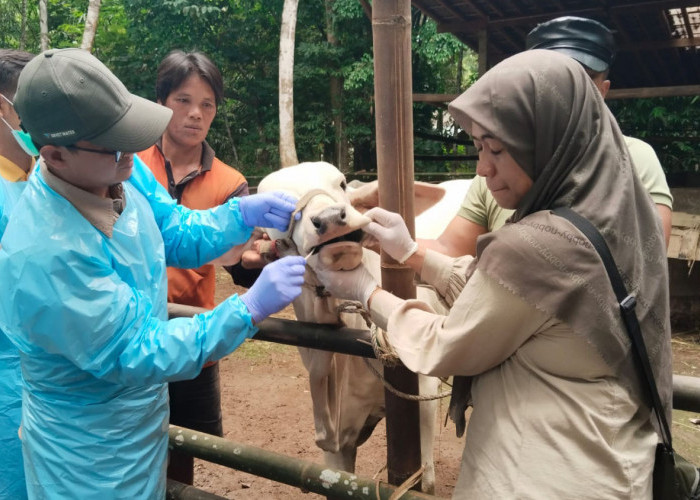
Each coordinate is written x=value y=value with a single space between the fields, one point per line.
x=343 y=185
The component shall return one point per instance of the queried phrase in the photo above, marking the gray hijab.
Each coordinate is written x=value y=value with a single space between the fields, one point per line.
x=554 y=123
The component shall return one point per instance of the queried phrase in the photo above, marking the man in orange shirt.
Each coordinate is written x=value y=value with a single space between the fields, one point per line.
x=15 y=162
x=182 y=161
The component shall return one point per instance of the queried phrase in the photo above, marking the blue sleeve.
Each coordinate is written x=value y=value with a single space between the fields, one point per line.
x=3 y=202
x=97 y=322
x=10 y=192
x=191 y=237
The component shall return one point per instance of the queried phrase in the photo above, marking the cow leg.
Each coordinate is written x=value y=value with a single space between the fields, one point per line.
x=344 y=459
x=428 y=411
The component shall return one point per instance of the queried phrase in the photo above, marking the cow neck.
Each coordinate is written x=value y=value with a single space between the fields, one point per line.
x=315 y=304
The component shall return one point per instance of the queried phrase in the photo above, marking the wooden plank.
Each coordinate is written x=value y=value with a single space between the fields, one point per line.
x=672 y=91
x=689 y=245
x=683 y=219
x=685 y=237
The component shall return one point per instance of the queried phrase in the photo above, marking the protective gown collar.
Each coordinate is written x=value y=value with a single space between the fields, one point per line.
x=101 y=212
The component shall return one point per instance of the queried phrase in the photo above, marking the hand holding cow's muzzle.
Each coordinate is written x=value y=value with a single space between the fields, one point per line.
x=390 y=230
x=357 y=284
x=272 y=209
x=278 y=285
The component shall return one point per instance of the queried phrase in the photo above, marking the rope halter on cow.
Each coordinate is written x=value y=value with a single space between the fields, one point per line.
x=384 y=352
x=287 y=245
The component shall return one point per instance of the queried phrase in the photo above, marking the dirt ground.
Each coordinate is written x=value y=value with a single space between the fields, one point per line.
x=266 y=403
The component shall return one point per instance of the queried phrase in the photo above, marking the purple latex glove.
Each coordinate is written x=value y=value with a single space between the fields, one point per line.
x=272 y=209
x=276 y=287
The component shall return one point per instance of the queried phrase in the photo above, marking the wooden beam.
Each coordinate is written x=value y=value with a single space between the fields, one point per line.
x=466 y=27
x=446 y=157
x=674 y=91
x=443 y=138
x=673 y=43
x=434 y=98
x=642 y=92
x=391 y=39
x=483 y=51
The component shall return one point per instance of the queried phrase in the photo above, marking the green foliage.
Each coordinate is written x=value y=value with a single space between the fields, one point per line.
x=441 y=64
x=333 y=44
x=66 y=23
x=670 y=124
x=11 y=25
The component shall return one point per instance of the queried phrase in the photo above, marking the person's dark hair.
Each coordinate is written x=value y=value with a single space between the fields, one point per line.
x=11 y=64
x=177 y=66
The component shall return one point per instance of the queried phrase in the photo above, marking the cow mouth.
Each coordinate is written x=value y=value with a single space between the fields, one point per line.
x=351 y=237
x=342 y=253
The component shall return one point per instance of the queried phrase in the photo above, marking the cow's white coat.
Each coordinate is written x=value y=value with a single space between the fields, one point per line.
x=348 y=399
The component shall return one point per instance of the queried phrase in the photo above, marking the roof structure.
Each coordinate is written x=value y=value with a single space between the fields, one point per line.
x=658 y=41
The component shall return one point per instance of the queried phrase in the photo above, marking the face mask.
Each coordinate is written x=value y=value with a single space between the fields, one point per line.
x=22 y=138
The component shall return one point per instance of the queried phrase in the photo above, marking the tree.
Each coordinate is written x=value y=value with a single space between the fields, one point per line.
x=336 y=95
x=91 y=19
x=288 y=152
x=44 y=24
x=333 y=90
x=23 y=33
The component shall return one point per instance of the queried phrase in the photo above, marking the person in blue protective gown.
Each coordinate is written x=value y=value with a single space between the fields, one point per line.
x=15 y=165
x=83 y=261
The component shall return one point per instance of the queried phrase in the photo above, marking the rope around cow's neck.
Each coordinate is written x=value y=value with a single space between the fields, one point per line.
x=383 y=352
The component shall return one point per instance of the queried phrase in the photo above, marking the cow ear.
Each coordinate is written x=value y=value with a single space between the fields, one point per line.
x=425 y=195
x=365 y=196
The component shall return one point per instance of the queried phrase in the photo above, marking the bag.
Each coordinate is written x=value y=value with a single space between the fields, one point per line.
x=674 y=478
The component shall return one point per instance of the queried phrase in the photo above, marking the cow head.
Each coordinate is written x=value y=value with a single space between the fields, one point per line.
x=330 y=229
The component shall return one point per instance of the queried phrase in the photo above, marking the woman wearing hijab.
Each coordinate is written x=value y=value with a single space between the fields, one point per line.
x=559 y=411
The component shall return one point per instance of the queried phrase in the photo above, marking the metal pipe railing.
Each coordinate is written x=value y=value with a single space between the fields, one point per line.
x=686 y=393
x=304 y=474
x=686 y=390
x=283 y=331
x=175 y=490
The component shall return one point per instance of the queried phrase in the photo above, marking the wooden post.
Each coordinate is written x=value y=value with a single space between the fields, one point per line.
x=393 y=90
x=483 y=51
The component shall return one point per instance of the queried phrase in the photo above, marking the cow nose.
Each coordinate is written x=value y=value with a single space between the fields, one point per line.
x=332 y=216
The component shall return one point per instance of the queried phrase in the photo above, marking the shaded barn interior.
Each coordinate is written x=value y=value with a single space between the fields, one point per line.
x=658 y=40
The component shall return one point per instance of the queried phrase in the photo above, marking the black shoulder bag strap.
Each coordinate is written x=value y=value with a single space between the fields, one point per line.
x=627 y=303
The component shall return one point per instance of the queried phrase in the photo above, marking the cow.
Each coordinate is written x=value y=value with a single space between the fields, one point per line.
x=347 y=397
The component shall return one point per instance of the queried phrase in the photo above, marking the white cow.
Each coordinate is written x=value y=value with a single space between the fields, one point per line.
x=348 y=399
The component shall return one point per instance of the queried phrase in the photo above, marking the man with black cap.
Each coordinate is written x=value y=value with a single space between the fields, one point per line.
x=591 y=44
x=83 y=262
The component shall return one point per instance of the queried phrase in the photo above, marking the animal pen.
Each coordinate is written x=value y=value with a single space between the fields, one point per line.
x=391 y=26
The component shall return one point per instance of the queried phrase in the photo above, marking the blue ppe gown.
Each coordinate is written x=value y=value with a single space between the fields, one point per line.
x=12 y=485
x=88 y=314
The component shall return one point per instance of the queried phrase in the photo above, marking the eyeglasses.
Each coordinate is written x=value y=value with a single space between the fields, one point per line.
x=117 y=154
